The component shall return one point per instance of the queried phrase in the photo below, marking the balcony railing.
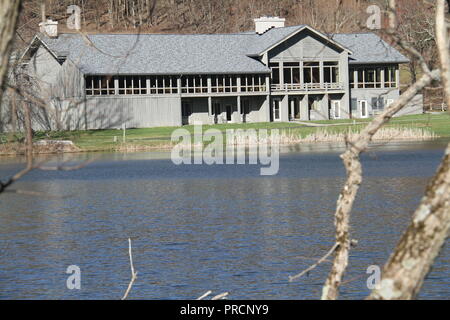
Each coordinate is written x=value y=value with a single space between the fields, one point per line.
x=307 y=87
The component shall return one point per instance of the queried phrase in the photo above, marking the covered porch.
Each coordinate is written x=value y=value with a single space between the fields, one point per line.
x=222 y=110
x=306 y=107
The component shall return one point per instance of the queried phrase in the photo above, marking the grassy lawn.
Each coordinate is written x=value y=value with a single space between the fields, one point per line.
x=96 y=140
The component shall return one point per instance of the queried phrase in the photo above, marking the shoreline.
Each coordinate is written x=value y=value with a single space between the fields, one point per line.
x=167 y=148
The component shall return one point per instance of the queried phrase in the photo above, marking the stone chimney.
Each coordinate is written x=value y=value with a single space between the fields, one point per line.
x=265 y=23
x=49 y=27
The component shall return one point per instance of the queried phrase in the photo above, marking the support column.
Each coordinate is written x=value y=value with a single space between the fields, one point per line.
x=282 y=74
x=239 y=109
x=321 y=74
x=292 y=105
x=179 y=85
x=304 y=112
x=210 y=115
x=302 y=76
x=325 y=113
x=209 y=84
x=284 y=109
x=397 y=76
x=266 y=109
x=116 y=86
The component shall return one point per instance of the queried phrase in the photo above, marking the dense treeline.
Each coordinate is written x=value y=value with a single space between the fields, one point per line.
x=205 y=16
x=416 y=18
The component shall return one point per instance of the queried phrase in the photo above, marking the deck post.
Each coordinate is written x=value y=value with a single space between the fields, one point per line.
x=210 y=115
x=239 y=109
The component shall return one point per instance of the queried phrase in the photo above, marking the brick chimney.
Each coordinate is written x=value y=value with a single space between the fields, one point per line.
x=265 y=23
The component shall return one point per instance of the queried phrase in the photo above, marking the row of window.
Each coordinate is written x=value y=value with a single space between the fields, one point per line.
x=370 y=77
x=292 y=72
x=138 y=85
x=364 y=77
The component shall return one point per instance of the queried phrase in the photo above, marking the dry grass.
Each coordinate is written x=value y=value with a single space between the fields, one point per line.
x=15 y=148
x=384 y=134
x=131 y=147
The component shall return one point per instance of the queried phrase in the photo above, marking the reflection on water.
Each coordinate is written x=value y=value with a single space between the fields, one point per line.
x=199 y=228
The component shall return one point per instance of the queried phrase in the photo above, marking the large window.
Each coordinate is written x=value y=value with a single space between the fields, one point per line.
x=369 y=77
x=275 y=67
x=291 y=71
x=160 y=84
x=331 y=72
x=253 y=83
x=311 y=72
x=377 y=104
x=99 y=85
x=354 y=105
x=224 y=83
x=352 y=77
x=194 y=84
x=390 y=77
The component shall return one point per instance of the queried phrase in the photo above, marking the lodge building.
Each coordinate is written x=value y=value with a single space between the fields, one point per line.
x=274 y=73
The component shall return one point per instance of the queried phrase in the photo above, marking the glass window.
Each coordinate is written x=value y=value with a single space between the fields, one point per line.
x=311 y=72
x=275 y=67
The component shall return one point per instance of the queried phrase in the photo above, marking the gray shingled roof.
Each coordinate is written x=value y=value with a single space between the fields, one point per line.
x=369 y=48
x=158 y=54
x=197 y=54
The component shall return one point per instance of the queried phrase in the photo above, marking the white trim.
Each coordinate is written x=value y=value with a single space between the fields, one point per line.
x=335 y=103
x=361 y=109
x=43 y=44
x=279 y=110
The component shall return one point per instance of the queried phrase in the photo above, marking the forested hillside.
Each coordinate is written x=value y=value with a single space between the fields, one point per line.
x=416 y=20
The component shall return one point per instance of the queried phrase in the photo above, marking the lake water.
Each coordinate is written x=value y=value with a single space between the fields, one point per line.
x=198 y=228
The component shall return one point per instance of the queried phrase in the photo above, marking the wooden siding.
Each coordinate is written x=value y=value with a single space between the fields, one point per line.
x=133 y=111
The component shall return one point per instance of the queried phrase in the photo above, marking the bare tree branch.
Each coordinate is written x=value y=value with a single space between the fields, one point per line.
x=407 y=267
x=354 y=178
x=133 y=273
x=204 y=295
x=312 y=267
x=220 y=296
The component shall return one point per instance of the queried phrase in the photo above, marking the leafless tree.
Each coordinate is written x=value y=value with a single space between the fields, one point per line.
x=414 y=255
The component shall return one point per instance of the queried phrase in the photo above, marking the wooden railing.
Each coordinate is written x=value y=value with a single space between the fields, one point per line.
x=307 y=87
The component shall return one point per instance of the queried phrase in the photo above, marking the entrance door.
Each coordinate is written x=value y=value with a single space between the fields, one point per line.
x=336 y=109
x=276 y=110
x=245 y=109
x=229 y=112
x=363 y=108
x=186 y=112
x=216 y=112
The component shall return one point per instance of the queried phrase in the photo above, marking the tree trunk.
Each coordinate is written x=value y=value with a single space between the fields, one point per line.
x=414 y=255
x=419 y=246
x=9 y=13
